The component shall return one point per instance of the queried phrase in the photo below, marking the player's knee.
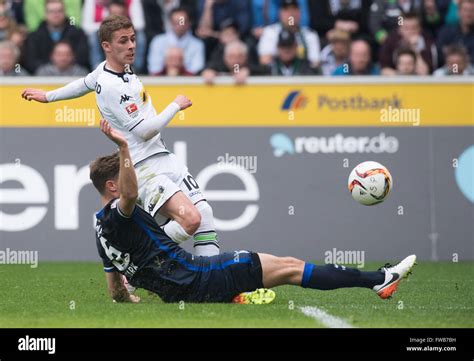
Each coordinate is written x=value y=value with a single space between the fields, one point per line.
x=192 y=221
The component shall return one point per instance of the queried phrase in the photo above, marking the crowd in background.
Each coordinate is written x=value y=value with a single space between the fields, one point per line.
x=240 y=38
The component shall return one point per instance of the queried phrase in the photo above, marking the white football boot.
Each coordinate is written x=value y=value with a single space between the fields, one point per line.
x=393 y=276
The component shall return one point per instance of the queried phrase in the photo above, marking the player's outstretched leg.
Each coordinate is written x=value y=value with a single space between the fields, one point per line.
x=287 y=270
x=191 y=221
x=185 y=218
x=205 y=237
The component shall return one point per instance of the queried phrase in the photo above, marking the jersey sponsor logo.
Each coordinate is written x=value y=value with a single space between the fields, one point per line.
x=124 y=98
x=132 y=110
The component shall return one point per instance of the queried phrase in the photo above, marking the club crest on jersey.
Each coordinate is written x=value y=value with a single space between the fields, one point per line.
x=132 y=109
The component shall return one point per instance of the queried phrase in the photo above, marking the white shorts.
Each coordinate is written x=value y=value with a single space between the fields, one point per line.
x=159 y=178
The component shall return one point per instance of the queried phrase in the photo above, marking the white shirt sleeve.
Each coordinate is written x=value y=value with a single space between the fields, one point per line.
x=76 y=88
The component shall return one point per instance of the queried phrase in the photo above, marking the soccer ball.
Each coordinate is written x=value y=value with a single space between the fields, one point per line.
x=370 y=183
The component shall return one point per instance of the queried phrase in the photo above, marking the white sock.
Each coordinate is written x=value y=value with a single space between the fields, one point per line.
x=205 y=237
x=177 y=233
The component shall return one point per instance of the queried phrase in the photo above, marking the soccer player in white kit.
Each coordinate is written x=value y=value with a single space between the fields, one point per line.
x=166 y=189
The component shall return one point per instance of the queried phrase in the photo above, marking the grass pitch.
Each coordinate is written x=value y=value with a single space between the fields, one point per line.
x=74 y=295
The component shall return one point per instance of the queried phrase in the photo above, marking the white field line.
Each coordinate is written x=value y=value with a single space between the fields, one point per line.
x=325 y=318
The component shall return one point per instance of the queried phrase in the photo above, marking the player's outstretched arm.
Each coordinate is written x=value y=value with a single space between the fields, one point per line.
x=117 y=290
x=128 y=187
x=147 y=128
x=74 y=89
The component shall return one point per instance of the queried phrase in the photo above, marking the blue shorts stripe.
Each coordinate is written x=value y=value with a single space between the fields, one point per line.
x=308 y=270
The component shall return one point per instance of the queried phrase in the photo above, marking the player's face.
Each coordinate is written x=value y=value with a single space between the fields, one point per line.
x=122 y=47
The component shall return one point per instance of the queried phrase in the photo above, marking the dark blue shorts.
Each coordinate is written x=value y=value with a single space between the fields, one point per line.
x=196 y=279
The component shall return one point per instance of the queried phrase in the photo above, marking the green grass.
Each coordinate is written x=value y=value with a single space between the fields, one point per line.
x=437 y=295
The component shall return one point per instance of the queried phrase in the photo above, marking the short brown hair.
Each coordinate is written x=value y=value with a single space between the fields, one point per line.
x=111 y=24
x=104 y=169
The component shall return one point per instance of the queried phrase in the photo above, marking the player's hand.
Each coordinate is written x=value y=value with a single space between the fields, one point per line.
x=183 y=101
x=38 y=95
x=112 y=134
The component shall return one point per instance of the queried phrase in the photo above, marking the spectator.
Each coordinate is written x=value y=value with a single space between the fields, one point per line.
x=452 y=13
x=7 y=23
x=62 y=63
x=15 y=8
x=211 y=13
x=95 y=11
x=179 y=35
x=462 y=33
x=347 y=15
x=174 y=63
x=34 y=11
x=167 y=6
x=287 y=62
x=457 y=62
x=360 y=60
x=235 y=64
x=154 y=17
x=385 y=16
x=9 y=55
x=55 y=28
x=336 y=53
x=410 y=35
x=432 y=17
x=405 y=62
x=18 y=36
x=228 y=34
x=307 y=39
x=265 y=12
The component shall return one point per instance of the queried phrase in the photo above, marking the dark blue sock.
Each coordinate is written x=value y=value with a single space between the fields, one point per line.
x=330 y=277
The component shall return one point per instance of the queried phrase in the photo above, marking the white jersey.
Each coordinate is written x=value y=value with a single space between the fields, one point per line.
x=124 y=103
